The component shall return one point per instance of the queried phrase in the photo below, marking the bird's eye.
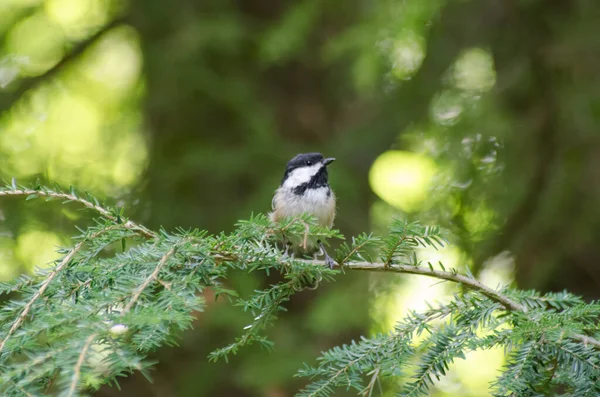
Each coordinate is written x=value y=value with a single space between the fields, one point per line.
x=309 y=163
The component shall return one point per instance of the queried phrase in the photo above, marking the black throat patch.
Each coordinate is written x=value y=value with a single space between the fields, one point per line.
x=318 y=180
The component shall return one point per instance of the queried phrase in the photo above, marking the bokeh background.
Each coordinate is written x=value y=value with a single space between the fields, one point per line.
x=482 y=116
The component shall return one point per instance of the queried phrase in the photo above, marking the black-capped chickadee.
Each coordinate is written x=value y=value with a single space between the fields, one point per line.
x=305 y=189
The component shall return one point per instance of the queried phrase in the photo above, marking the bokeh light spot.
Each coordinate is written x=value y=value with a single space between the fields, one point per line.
x=116 y=61
x=9 y=265
x=77 y=17
x=402 y=179
x=407 y=54
x=447 y=108
x=474 y=70
x=39 y=41
x=479 y=220
x=479 y=369
x=418 y=291
x=73 y=120
x=37 y=248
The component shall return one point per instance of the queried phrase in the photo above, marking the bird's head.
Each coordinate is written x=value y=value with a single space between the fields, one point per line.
x=306 y=170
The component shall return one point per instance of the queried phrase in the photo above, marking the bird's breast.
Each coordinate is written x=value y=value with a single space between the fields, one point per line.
x=319 y=202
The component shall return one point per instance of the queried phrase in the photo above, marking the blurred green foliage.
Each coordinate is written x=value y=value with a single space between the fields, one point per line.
x=186 y=111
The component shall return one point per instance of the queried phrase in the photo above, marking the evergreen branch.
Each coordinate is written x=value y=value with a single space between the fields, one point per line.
x=84 y=289
x=80 y=361
x=150 y=279
x=390 y=256
x=439 y=274
x=472 y=283
x=341 y=365
x=355 y=250
x=65 y=261
x=586 y=340
x=20 y=389
x=86 y=203
x=519 y=363
x=332 y=379
x=447 y=344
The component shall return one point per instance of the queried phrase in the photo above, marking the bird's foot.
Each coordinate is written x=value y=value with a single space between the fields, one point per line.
x=286 y=253
x=328 y=260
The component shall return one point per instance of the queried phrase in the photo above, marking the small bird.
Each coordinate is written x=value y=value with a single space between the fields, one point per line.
x=305 y=189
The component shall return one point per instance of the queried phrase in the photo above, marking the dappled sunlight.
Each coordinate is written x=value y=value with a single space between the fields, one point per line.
x=498 y=270
x=40 y=54
x=415 y=292
x=408 y=53
x=402 y=178
x=83 y=126
x=37 y=248
x=466 y=377
x=76 y=17
x=406 y=180
x=447 y=107
x=115 y=62
x=479 y=219
x=474 y=71
x=471 y=376
x=9 y=264
x=81 y=133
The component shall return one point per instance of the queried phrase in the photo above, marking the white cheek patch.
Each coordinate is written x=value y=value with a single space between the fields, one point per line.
x=301 y=175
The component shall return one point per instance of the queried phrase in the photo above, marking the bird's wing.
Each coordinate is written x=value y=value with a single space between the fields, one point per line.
x=273 y=203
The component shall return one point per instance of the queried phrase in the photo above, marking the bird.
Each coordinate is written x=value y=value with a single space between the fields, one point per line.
x=304 y=189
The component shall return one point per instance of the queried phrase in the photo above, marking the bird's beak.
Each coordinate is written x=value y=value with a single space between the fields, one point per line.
x=328 y=161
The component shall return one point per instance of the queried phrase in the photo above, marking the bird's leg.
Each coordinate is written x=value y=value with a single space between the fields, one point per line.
x=286 y=253
x=328 y=260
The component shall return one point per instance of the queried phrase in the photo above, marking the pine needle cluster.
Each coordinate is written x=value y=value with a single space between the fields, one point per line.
x=122 y=290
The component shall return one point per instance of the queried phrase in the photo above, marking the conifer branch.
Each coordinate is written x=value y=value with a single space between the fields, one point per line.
x=79 y=364
x=472 y=283
x=149 y=280
x=439 y=274
x=82 y=290
x=63 y=263
x=32 y=193
x=586 y=340
x=20 y=389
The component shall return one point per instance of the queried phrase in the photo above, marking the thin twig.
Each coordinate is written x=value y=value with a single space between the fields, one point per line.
x=354 y=250
x=16 y=385
x=306 y=232
x=80 y=361
x=19 y=321
x=151 y=278
x=390 y=257
x=14 y=373
x=369 y=390
x=342 y=370
x=86 y=203
x=450 y=276
x=586 y=340
x=472 y=283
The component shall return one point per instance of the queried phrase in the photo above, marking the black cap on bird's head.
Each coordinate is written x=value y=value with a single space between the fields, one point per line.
x=307 y=160
x=315 y=166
